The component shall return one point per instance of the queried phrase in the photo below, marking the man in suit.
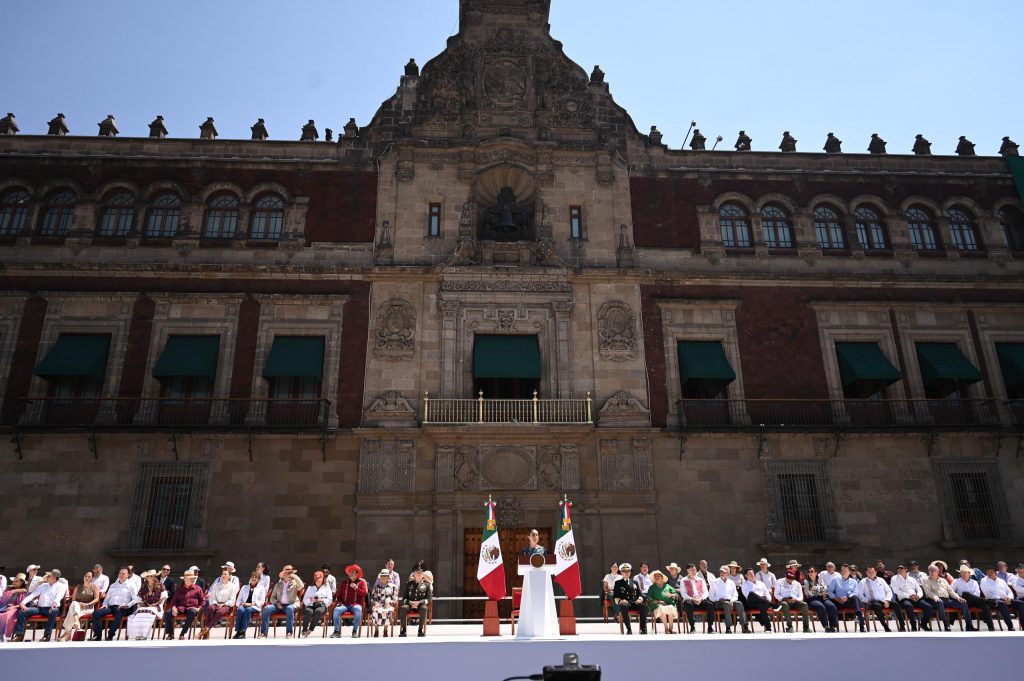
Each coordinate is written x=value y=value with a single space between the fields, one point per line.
x=626 y=595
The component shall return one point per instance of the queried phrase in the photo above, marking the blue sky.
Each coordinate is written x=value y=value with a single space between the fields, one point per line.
x=898 y=68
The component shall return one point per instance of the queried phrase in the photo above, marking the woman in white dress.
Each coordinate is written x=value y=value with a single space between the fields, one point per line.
x=151 y=606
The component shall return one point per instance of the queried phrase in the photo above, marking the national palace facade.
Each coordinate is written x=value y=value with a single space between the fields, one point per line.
x=336 y=349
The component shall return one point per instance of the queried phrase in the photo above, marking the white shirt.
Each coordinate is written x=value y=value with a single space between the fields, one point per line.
x=265 y=583
x=221 y=593
x=34 y=583
x=873 y=590
x=3 y=583
x=768 y=578
x=136 y=582
x=757 y=587
x=961 y=586
x=102 y=583
x=47 y=595
x=723 y=590
x=259 y=596
x=697 y=585
x=610 y=579
x=324 y=593
x=786 y=589
x=826 y=577
x=643 y=581
x=1017 y=584
x=738 y=581
x=121 y=593
x=995 y=589
x=905 y=587
x=332 y=582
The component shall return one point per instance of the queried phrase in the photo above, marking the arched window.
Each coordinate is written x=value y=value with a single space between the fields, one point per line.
x=13 y=212
x=735 y=224
x=267 y=218
x=221 y=217
x=829 y=228
x=117 y=215
x=59 y=215
x=1012 y=221
x=164 y=216
x=921 y=226
x=776 y=227
x=870 y=231
x=962 y=230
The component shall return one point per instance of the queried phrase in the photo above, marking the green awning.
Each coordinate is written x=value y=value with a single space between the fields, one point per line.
x=506 y=357
x=865 y=362
x=296 y=357
x=1016 y=164
x=188 y=356
x=945 y=362
x=704 y=360
x=1011 y=361
x=76 y=355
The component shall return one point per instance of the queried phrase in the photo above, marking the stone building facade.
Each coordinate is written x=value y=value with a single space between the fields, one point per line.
x=499 y=286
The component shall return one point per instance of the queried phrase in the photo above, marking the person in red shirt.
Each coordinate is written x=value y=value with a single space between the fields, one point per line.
x=188 y=600
x=350 y=597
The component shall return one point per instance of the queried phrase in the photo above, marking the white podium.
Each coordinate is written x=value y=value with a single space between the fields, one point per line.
x=537 y=615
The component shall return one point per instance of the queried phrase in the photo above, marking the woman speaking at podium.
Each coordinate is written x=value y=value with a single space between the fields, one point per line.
x=534 y=548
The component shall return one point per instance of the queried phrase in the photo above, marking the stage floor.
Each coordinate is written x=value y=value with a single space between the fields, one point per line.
x=459 y=653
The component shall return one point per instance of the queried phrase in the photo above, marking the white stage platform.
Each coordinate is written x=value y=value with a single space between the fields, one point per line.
x=458 y=653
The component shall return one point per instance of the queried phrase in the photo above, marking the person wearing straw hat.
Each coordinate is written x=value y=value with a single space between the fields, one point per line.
x=230 y=567
x=938 y=592
x=34 y=579
x=152 y=597
x=351 y=597
x=726 y=599
x=284 y=599
x=661 y=600
x=627 y=595
x=382 y=602
x=967 y=588
x=764 y=574
x=188 y=600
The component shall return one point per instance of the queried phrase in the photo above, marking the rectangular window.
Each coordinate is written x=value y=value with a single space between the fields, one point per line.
x=975 y=505
x=803 y=509
x=434 y=220
x=169 y=506
x=576 y=222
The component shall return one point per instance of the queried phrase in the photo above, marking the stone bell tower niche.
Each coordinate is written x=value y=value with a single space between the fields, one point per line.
x=507 y=200
x=530 y=13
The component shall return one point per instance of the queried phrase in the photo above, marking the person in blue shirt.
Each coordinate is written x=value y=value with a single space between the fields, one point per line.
x=843 y=592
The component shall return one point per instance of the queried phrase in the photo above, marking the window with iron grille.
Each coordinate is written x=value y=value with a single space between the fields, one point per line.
x=735 y=225
x=169 y=506
x=803 y=511
x=975 y=504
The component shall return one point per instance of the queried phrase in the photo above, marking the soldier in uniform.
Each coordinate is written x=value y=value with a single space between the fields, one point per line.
x=416 y=596
x=626 y=595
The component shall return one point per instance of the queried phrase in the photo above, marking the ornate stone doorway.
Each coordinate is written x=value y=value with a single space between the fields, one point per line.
x=512 y=539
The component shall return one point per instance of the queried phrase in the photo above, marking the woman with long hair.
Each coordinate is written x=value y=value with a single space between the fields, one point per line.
x=83 y=602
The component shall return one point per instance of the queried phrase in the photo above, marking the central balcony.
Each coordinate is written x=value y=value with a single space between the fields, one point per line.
x=491 y=411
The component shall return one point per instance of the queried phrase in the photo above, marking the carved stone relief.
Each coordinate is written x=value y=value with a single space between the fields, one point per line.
x=623 y=409
x=507 y=467
x=509 y=512
x=616 y=330
x=390 y=408
x=395 y=330
x=625 y=465
x=387 y=466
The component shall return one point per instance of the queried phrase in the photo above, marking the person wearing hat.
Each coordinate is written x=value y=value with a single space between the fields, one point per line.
x=843 y=592
x=315 y=602
x=219 y=599
x=661 y=601
x=998 y=595
x=419 y=590
x=726 y=598
x=914 y=572
x=967 y=588
x=875 y=594
x=907 y=595
x=351 y=597
x=200 y=582
x=283 y=599
x=757 y=599
x=627 y=596
x=675 y=576
x=120 y=602
x=382 y=601
x=976 y=574
x=389 y=567
x=230 y=567
x=48 y=598
x=790 y=594
x=943 y=571
x=694 y=594
x=188 y=601
x=736 y=575
x=34 y=579
x=941 y=596
x=764 y=574
x=251 y=598
x=151 y=606
x=11 y=598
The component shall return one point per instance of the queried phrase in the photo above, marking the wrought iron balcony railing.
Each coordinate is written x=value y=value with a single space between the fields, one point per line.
x=178 y=413
x=481 y=410
x=836 y=414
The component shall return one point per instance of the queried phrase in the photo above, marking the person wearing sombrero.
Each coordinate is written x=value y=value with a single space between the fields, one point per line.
x=284 y=599
x=736 y=576
x=351 y=597
x=764 y=574
x=188 y=600
x=661 y=601
x=967 y=588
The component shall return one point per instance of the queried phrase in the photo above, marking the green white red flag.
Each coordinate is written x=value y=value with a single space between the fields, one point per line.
x=490 y=571
x=567 y=569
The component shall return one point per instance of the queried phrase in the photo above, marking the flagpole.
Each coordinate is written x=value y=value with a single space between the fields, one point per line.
x=566 y=614
x=492 y=623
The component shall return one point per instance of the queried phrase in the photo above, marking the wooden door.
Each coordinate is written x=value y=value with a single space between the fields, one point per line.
x=512 y=539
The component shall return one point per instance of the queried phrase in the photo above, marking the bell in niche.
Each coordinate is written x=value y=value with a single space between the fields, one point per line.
x=506 y=220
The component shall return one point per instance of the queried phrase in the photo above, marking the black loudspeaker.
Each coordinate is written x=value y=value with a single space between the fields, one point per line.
x=572 y=670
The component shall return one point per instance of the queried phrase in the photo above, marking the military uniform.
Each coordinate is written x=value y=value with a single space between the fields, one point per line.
x=415 y=591
x=626 y=595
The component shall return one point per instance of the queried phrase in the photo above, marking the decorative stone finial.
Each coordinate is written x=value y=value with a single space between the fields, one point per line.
x=877 y=144
x=259 y=130
x=309 y=132
x=1009 y=148
x=922 y=147
x=207 y=131
x=351 y=129
x=328 y=135
x=8 y=126
x=58 y=126
x=108 y=127
x=699 y=141
x=597 y=75
x=833 y=145
x=655 y=135
x=743 y=142
x=965 y=147
x=411 y=69
x=788 y=144
x=157 y=129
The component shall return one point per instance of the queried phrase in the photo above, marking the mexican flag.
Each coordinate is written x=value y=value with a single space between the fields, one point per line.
x=568 y=568
x=490 y=571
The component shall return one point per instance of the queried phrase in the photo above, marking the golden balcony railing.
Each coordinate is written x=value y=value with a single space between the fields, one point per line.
x=481 y=410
